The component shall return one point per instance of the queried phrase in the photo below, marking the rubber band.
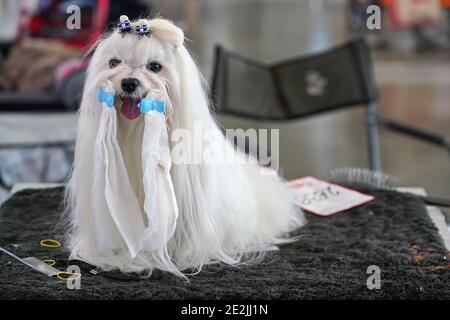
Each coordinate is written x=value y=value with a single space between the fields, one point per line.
x=50 y=262
x=50 y=243
x=58 y=275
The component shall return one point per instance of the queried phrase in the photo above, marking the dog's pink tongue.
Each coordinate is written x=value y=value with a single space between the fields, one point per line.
x=130 y=108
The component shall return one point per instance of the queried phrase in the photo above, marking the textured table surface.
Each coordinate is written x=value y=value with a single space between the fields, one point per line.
x=329 y=261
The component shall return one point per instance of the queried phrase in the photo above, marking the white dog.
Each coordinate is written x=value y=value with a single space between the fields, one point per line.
x=130 y=207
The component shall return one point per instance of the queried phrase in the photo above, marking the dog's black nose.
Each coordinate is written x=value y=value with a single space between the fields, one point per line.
x=129 y=84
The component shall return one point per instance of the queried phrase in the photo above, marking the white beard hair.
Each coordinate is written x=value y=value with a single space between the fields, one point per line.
x=225 y=211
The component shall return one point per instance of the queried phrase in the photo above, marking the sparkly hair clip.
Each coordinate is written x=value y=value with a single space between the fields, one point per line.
x=143 y=30
x=124 y=26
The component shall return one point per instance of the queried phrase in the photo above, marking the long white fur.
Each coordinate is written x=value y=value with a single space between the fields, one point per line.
x=225 y=210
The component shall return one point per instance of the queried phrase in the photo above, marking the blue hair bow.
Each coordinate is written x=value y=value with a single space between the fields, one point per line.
x=143 y=31
x=124 y=27
x=106 y=97
x=146 y=105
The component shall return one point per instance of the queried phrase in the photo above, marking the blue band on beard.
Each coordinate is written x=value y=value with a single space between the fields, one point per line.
x=106 y=97
x=146 y=105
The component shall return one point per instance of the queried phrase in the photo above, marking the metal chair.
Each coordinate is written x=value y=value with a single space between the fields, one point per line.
x=338 y=78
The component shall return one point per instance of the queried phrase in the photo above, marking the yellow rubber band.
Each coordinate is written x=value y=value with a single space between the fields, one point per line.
x=50 y=243
x=77 y=275
x=50 y=262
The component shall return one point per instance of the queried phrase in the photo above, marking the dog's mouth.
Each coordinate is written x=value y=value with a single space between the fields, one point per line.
x=129 y=108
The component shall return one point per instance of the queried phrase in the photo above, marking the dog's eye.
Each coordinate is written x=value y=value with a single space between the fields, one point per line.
x=114 y=62
x=154 y=67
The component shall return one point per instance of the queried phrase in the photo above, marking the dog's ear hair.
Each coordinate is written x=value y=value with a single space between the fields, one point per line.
x=90 y=52
x=166 y=30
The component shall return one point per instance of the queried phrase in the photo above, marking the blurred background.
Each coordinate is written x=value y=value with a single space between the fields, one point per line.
x=42 y=68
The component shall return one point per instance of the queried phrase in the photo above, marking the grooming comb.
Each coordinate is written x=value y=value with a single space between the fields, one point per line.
x=365 y=178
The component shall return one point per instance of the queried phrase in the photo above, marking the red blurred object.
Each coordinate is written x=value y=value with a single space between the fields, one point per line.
x=387 y=3
x=415 y=13
x=50 y=22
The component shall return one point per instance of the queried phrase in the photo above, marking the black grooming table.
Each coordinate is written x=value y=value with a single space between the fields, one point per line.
x=329 y=260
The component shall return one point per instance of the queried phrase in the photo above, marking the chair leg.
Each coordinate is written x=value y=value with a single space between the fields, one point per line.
x=372 y=133
x=69 y=155
x=3 y=184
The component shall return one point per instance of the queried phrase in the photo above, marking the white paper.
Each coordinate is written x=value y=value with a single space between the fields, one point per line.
x=323 y=198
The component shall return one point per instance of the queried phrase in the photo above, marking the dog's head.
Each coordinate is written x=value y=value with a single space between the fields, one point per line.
x=138 y=64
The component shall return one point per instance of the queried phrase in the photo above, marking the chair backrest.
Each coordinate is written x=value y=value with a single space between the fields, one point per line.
x=337 y=78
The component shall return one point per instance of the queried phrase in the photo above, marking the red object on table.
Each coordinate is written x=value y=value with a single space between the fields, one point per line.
x=413 y=13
